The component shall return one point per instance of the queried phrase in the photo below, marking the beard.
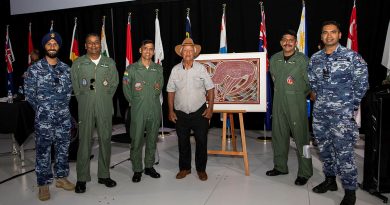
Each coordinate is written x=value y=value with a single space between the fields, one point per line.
x=51 y=54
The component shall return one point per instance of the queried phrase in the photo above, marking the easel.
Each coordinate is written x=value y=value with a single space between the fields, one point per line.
x=223 y=151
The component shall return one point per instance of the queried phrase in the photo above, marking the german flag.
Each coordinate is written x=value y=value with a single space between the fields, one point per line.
x=74 y=47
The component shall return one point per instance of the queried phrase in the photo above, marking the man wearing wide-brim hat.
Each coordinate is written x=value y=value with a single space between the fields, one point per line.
x=187 y=87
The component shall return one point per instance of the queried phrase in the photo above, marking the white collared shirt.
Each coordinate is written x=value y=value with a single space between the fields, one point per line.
x=189 y=86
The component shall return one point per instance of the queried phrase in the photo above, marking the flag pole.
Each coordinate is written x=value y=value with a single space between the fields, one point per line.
x=264 y=138
x=162 y=114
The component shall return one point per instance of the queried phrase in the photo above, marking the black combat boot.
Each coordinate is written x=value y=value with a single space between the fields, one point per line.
x=349 y=197
x=328 y=185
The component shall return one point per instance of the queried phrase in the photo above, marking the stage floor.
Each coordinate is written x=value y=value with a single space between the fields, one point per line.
x=227 y=183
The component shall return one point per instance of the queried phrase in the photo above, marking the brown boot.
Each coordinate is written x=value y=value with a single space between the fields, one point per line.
x=44 y=193
x=65 y=184
x=202 y=176
x=183 y=173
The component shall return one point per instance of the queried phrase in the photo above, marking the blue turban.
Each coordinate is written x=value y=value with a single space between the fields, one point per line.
x=51 y=35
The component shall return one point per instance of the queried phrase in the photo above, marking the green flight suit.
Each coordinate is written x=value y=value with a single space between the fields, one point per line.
x=142 y=88
x=289 y=111
x=94 y=86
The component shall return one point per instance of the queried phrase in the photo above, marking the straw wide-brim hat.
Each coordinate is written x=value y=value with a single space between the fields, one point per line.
x=188 y=42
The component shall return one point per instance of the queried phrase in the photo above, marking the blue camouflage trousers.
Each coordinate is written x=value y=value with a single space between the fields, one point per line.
x=336 y=136
x=52 y=128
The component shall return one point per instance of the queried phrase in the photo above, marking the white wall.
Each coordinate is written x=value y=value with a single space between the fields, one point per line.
x=31 y=6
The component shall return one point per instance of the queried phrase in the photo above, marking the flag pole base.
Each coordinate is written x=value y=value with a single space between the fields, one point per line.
x=164 y=133
x=264 y=139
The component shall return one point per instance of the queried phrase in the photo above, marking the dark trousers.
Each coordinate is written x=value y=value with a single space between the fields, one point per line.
x=200 y=125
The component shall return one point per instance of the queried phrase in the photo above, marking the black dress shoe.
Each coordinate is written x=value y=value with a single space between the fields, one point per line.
x=275 y=172
x=137 y=177
x=152 y=172
x=300 y=181
x=80 y=187
x=107 y=181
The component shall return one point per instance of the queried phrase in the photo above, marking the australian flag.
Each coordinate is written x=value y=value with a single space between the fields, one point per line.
x=263 y=48
x=9 y=58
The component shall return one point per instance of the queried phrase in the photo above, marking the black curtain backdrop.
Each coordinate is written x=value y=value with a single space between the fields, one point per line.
x=243 y=20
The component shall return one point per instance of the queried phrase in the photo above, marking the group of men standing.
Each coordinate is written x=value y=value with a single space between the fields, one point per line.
x=48 y=88
x=336 y=79
x=94 y=80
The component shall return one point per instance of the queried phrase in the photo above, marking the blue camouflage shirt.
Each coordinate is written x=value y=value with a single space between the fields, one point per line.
x=48 y=87
x=339 y=80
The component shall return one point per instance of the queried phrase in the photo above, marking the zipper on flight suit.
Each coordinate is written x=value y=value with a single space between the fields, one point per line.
x=95 y=78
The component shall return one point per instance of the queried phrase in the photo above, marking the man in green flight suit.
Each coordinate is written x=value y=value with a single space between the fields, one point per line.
x=142 y=83
x=289 y=116
x=94 y=80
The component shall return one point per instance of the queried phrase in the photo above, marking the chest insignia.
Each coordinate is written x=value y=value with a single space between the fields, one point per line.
x=105 y=82
x=138 y=86
x=290 y=80
x=84 y=82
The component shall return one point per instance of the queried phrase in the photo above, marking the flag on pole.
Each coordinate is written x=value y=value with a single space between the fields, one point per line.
x=352 y=42
x=188 y=25
x=74 y=46
x=104 y=47
x=386 y=51
x=51 y=26
x=158 y=50
x=129 y=43
x=301 y=34
x=223 y=49
x=223 y=41
x=263 y=48
x=9 y=58
x=302 y=45
x=30 y=44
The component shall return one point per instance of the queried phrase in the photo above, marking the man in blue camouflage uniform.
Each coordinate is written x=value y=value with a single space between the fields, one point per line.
x=338 y=76
x=48 y=88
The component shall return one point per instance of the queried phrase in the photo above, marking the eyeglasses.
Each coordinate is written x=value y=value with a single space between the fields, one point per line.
x=326 y=72
x=92 y=87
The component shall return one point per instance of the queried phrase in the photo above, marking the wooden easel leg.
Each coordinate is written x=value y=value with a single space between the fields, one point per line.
x=224 y=131
x=243 y=140
x=234 y=140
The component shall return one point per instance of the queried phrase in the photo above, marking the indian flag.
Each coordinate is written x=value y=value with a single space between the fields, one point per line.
x=104 y=49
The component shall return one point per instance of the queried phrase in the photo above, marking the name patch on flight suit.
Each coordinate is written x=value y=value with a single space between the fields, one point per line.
x=138 y=86
x=290 y=80
x=84 y=82
x=104 y=65
x=105 y=82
